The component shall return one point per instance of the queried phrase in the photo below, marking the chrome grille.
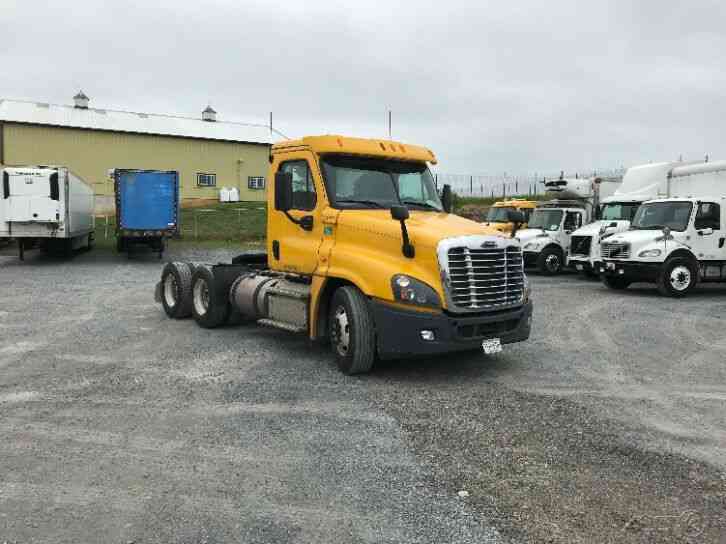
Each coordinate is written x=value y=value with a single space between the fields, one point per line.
x=580 y=245
x=615 y=250
x=483 y=278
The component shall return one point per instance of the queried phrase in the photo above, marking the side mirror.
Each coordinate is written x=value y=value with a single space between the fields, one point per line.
x=399 y=213
x=447 y=198
x=283 y=191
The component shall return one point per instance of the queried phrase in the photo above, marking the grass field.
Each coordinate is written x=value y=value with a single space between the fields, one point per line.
x=215 y=225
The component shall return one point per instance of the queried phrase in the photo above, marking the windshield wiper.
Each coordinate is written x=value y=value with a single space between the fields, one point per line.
x=372 y=203
x=422 y=204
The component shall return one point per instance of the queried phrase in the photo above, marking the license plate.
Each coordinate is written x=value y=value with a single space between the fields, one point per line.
x=579 y=267
x=491 y=345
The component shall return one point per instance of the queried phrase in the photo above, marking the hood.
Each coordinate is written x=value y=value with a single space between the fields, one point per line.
x=527 y=235
x=593 y=229
x=637 y=238
x=426 y=229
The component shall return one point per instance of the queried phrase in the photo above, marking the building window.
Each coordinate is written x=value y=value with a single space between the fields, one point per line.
x=206 y=180
x=255 y=182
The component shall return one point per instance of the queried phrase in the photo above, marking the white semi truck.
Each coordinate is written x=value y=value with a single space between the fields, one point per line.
x=546 y=240
x=674 y=242
x=640 y=183
x=47 y=207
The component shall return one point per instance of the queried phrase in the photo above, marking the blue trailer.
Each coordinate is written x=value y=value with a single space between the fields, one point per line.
x=147 y=208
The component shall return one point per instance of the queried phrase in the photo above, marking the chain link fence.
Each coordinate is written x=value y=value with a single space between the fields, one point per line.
x=504 y=185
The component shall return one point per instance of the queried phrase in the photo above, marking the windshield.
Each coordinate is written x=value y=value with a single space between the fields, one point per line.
x=499 y=214
x=360 y=182
x=619 y=211
x=545 y=219
x=657 y=215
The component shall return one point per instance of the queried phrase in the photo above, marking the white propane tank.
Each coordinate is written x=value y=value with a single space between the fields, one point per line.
x=234 y=194
x=224 y=194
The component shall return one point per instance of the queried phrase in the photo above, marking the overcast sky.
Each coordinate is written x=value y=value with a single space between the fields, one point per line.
x=510 y=86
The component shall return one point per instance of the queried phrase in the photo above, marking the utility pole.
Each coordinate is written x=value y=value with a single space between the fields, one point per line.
x=270 y=123
x=389 y=125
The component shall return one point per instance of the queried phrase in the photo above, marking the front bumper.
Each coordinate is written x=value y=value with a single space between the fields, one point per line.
x=583 y=263
x=398 y=330
x=631 y=270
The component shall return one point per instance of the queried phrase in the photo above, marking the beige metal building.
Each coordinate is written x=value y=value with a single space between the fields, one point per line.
x=208 y=154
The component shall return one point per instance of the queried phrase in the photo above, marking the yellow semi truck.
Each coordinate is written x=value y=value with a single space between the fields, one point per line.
x=363 y=253
x=498 y=215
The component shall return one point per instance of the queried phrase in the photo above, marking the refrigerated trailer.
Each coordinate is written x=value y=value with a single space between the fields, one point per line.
x=147 y=208
x=47 y=207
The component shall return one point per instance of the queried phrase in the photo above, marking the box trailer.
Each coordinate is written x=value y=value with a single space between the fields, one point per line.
x=147 y=208
x=47 y=207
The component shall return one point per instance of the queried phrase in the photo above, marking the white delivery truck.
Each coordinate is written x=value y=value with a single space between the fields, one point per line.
x=47 y=207
x=546 y=240
x=640 y=183
x=674 y=242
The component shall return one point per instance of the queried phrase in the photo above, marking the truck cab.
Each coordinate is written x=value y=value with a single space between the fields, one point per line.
x=615 y=216
x=362 y=253
x=674 y=243
x=498 y=215
x=546 y=240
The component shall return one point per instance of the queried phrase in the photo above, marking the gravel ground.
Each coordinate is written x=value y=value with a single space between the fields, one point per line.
x=120 y=425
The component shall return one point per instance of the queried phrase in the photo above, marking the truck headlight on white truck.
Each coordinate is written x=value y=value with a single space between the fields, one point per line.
x=412 y=291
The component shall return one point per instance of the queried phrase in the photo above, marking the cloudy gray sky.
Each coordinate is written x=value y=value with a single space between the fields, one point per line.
x=517 y=86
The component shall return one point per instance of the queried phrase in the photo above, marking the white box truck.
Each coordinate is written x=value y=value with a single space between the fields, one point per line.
x=47 y=207
x=674 y=242
x=640 y=183
x=546 y=240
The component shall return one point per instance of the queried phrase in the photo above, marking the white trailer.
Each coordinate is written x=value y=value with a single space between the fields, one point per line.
x=640 y=183
x=677 y=241
x=546 y=240
x=47 y=207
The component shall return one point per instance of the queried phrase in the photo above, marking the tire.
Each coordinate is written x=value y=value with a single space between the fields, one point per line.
x=550 y=261
x=210 y=310
x=120 y=245
x=619 y=284
x=351 y=331
x=176 y=290
x=91 y=241
x=678 y=277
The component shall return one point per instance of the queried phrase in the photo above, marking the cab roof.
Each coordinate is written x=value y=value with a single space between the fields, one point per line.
x=368 y=147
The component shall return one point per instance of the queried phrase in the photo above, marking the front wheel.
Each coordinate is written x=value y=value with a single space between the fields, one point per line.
x=352 y=332
x=550 y=261
x=619 y=284
x=678 y=277
x=176 y=290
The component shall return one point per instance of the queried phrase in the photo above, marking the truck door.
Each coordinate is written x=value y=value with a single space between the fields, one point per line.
x=708 y=244
x=572 y=222
x=33 y=195
x=293 y=248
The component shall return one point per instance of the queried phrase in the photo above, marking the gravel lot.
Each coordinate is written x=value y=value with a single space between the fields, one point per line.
x=120 y=425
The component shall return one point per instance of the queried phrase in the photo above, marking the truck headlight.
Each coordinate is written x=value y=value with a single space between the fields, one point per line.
x=412 y=291
x=650 y=253
x=531 y=246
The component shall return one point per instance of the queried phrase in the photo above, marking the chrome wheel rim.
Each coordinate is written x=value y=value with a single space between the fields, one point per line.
x=170 y=290
x=201 y=297
x=680 y=278
x=552 y=262
x=341 y=331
